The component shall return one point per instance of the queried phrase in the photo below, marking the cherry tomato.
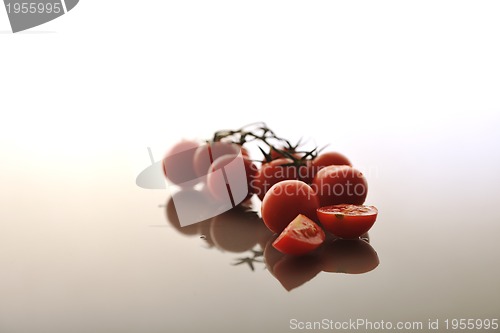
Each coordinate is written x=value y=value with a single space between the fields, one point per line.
x=347 y=221
x=285 y=200
x=340 y=185
x=331 y=158
x=221 y=185
x=206 y=154
x=323 y=160
x=272 y=173
x=353 y=256
x=178 y=165
x=291 y=271
x=301 y=236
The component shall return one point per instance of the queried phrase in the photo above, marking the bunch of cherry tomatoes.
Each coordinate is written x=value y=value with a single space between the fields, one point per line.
x=304 y=192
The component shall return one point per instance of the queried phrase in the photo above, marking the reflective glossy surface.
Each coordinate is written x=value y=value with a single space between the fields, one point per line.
x=90 y=249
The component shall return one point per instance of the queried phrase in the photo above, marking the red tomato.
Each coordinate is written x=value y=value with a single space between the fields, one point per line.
x=353 y=256
x=216 y=181
x=347 y=221
x=331 y=158
x=285 y=200
x=340 y=185
x=301 y=236
x=206 y=154
x=178 y=165
x=324 y=160
x=272 y=173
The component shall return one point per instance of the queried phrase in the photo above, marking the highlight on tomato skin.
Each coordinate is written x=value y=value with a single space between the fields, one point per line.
x=301 y=236
x=347 y=221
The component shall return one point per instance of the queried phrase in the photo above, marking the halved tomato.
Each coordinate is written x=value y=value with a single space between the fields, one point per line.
x=301 y=236
x=347 y=221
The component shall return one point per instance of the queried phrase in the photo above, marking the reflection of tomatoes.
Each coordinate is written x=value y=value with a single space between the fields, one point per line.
x=349 y=256
x=235 y=230
x=178 y=164
x=217 y=182
x=340 y=185
x=347 y=221
x=179 y=209
x=300 y=237
x=206 y=154
x=285 y=200
x=291 y=271
x=173 y=218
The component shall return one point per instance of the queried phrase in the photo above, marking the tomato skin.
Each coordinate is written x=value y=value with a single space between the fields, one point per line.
x=272 y=173
x=354 y=256
x=331 y=158
x=301 y=236
x=206 y=154
x=324 y=160
x=229 y=162
x=347 y=221
x=285 y=200
x=340 y=185
x=178 y=163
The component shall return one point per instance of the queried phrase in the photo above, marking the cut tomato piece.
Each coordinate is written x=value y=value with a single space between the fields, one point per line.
x=347 y=221
x=301 y=236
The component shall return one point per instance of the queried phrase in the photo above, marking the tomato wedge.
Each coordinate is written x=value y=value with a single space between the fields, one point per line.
x=301 y=236
x=347 y=221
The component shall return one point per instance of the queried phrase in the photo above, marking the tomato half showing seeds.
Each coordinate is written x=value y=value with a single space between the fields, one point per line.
x=347 y=221
x=301 y=236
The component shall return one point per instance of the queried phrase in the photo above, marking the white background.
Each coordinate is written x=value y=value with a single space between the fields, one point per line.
x=413 y=83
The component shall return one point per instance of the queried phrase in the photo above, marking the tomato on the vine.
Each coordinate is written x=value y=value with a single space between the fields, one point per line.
x=340 y=185
x=285 y=200
x=301 y=236
x=347 y=221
